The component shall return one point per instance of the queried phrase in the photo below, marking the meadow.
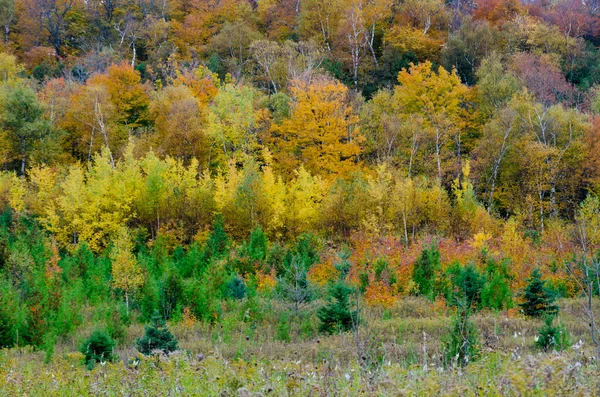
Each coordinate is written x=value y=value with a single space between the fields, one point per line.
x=396 y=353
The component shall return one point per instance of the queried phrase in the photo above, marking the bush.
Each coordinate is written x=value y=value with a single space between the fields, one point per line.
x=467 y=284
x=99 y=347
x=424 y=270
x=336 y=316
x=496 y=293
x=538 y=300
x=157 y=337
x=552 y=337
x=460 y=344
x=236 y=288
x=283 y=328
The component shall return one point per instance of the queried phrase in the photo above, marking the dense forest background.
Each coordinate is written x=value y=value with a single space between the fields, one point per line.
x=174 y=155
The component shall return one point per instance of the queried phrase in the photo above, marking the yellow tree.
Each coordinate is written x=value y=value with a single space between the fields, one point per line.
x=437 y=97
x=127 y=274
x=322 y=133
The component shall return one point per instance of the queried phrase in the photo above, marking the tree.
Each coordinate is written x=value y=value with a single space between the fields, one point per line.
x=157 y=337
x=99 y=347
x=424 y=270
x=7 y=15
x=337 y=315
x=537 y=299
x=180 y=121
x=22 y=118
x=127 y=274
x=438 y=98
x=551 y=336
x=232 y=124
x=294 y=285
x=127 y=94
x=321 y=134
x=461 y=342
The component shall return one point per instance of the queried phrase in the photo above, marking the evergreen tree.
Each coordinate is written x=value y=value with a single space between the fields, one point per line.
x=217 y=243
x=424 y=270
x=236 y=288
x=157 y=337
x=552 y=337
x=461 y=342
x=97 y=348
x=337 y=315
x=538 y=300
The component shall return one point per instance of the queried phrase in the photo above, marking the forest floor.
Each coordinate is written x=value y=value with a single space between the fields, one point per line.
x=395 y=352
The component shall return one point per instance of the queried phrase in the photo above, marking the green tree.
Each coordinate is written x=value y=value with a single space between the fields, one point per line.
x=157 y=337
x=424 y=270
x=22 y=119
x=98 y=347
x=537 y=299
x=337 y=315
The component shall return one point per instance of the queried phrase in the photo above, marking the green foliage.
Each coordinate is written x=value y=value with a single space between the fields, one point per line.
x=337 y=315
x=293 y=285
x=258 y=245
x=236 y=288
x=552 y=337
x=157 y=337
x=99 y=347
x=171 y=294
x=537 y=298
x=460 y=344
x=217 y=243
x=467 y=285
x=283 y=328
x=424 y=270
x=496 y=293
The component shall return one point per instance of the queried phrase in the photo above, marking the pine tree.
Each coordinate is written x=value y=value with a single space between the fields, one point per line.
x=550 y=336
x=337 y=316
x=424 y=270
x=461 y=343
x=538 y=300
x=97 y=348
x=157 y=337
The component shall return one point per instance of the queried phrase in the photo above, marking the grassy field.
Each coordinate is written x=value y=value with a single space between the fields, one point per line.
x=395 y=352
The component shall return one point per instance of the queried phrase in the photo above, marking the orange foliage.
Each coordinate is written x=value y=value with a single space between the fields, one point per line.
x=322 y=273
x=266 y=282
x=379 y=294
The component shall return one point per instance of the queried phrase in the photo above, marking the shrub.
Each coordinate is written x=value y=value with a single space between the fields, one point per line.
x=467 y=284
x=294 y=285
x=236 y=288
x=496 y=293
x=337 y=316
x=157 y=337
x=283 y=328
x=460 y=345
x=552 y=337
x=99 y=347
x=538 y=300
x=424 y=270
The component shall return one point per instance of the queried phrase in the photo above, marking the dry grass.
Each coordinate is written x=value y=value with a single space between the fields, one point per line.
x=243 y=357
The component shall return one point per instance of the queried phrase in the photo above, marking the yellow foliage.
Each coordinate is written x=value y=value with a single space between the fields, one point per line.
x=127 y=275
x=379 y=294
x=322 y=273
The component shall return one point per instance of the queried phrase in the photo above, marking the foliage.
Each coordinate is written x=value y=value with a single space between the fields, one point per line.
x=538 y=300
x=552 y=337
x=157 y=337
x=424 y=270
x=461 y=345
x=337 y=315
x=99 y=347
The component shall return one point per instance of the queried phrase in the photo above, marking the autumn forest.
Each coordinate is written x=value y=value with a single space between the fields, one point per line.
x=299 y=197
